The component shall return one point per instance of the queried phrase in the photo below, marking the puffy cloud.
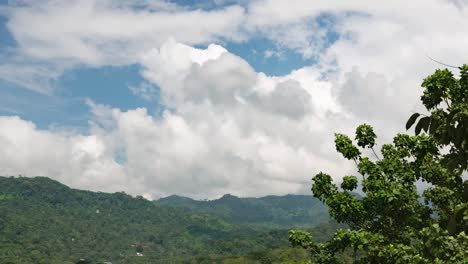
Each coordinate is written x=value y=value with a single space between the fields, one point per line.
x=230 y=129
x=253 y=128
x=387 y=38
x=54 y=36
x=380 y=56
x=288 y=99
x=227 y=128
x=82 y=161
x=194 y=76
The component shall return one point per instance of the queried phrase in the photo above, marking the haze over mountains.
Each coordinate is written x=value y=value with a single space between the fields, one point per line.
x=270 y=211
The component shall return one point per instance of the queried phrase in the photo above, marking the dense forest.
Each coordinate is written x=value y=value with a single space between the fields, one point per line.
x=44 y=221
x=269 y=212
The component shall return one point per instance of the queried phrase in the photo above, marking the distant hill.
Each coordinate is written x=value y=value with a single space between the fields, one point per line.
x=289 y=211
x=44 y=221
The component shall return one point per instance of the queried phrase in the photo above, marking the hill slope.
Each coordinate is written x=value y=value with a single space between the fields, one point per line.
x=289 y=211
x=43 y=221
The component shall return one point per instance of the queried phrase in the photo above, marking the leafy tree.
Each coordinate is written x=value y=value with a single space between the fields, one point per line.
x=393 y=222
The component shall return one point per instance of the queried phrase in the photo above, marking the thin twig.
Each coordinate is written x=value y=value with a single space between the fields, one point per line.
x=375 y=153
x=355 y=162
x=447 y=103
x=436 y=61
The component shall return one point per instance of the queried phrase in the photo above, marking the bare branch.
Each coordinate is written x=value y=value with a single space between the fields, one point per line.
x=441 y=63
x=375 y=154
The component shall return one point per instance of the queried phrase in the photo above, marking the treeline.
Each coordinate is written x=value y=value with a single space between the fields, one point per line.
x=44 y=221
x=283 y=212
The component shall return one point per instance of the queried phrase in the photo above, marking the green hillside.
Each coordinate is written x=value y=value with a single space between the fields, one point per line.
x=44 y=221
x=269 y=212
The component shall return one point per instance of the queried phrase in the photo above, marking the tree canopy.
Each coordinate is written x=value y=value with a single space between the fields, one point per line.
x=393 y=222
x=44 y=221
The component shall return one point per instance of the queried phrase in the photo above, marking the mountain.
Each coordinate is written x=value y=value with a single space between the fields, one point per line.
x=44 y=221
x=289 y=211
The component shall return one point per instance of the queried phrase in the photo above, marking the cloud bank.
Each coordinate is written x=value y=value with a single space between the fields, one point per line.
x=226 y=128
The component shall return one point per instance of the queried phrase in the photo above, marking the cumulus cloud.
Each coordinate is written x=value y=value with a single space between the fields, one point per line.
x=61 y=35
x=79 y=160
x=381 y=53
x=377 y=38
x=213 y=142
x=253 y=128
x=227 y=127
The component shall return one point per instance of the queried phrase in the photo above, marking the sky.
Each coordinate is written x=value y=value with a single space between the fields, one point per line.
x=204 y=98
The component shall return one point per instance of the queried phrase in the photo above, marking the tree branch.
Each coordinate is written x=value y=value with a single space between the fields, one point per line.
x=375 y=154
x=441 y=63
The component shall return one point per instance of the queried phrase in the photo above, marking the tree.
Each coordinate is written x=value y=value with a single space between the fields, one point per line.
x=393 y=222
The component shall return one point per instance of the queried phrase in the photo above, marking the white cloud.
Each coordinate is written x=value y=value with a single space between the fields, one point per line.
x=78 y=160
x=306 y=36
x=59 y=35
x=255 y=134
x=144 y=90
x=272 y=53
x=210 y=144
x=378 y=38
x=376 y=65
x=30 y=74
x=229 y=128
x=391 y=38
x=103 y=33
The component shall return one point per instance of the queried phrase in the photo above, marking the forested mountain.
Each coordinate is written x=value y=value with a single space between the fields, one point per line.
x=270 y=212
x=44 y=221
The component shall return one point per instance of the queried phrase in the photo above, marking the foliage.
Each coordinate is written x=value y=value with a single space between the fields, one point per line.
x=289 y=211
x=446 y=99
x=43 y=221
x=393 y=222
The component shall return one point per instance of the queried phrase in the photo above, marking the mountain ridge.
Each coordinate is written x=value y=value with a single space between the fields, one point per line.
x=44 y=221
x=286 y=211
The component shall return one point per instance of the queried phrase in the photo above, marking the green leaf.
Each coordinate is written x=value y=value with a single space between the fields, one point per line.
x=434 y=125
x=422 y=124
x=365 y=136
x=411 y=120
x=349 y=183
x=458 y=138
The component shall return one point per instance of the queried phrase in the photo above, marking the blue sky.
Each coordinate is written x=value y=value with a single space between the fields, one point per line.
x=241 y=97
x=109 y=85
